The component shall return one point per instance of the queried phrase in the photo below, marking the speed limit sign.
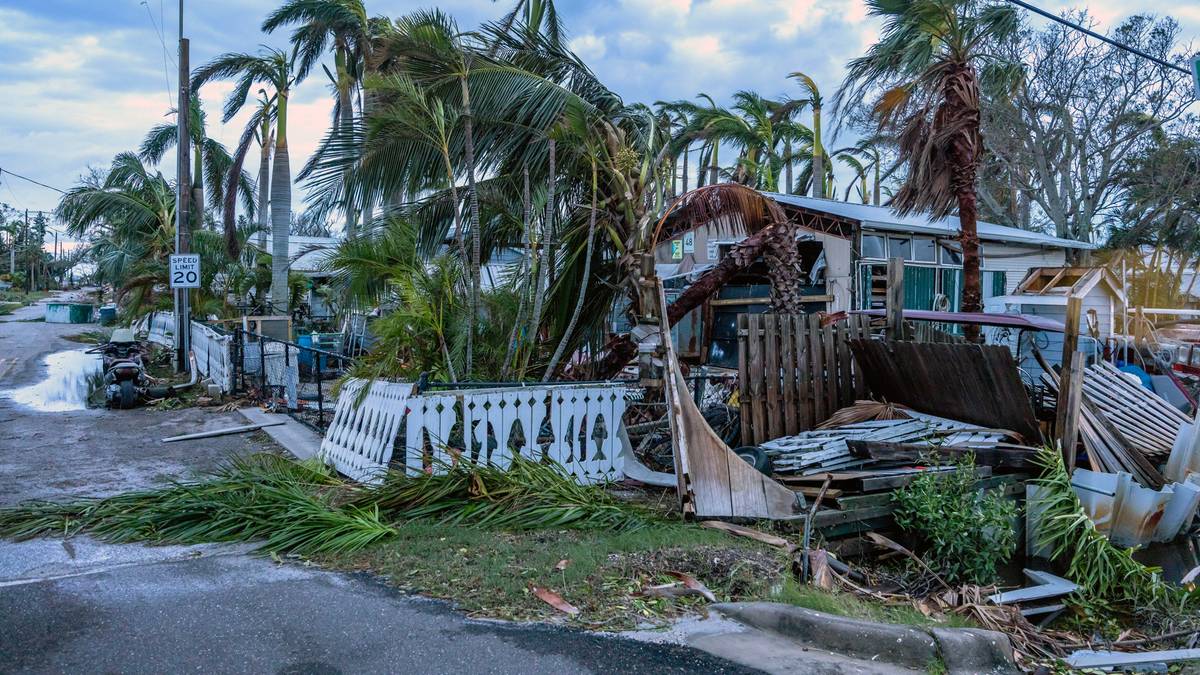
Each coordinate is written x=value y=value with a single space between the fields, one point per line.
x=185 y=270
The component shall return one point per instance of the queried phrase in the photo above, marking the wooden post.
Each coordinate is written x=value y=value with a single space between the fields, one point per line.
x=1070 y=384
x=895 y=299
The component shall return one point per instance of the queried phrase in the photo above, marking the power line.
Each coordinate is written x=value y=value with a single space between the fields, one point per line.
x=48 y=187
x=1118 y=45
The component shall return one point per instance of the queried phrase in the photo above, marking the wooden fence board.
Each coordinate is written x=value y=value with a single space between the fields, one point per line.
x=795 y=373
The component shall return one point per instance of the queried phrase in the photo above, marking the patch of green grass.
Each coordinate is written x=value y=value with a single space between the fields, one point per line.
x=488 y=572
x=845 y=604
x=7 y=308
x=90 y=337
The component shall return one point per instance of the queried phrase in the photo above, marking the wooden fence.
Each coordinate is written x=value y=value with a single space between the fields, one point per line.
x=794 y=373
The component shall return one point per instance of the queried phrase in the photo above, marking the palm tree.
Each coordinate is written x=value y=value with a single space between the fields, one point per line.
x=210 y=159
x=278 y=70
x=860 y=175
x=759 y=128
x=817 y=148
x=128 y=217
x=342 y=24
x=263 y=186
x=930 y=95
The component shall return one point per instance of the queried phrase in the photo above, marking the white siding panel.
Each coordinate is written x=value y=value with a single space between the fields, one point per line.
x=1015 y=261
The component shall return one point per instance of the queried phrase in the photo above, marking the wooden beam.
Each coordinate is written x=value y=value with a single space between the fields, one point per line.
x=895 y=299
x=1070 y=387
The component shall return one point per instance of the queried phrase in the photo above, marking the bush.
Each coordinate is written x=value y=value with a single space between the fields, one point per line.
x=964 y=531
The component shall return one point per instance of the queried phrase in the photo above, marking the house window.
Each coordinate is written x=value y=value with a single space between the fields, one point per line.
x=900 y=247
x=924 y=250
x=951 y=255
x=873 y=246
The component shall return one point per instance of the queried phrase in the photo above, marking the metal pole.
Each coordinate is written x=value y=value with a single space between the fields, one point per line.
x=31 y=282
x=183 y=187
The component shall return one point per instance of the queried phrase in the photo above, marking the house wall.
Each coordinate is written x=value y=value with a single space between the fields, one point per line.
x=1017 y=259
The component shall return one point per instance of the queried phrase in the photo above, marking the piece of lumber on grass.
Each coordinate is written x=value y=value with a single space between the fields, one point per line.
x=909 y=452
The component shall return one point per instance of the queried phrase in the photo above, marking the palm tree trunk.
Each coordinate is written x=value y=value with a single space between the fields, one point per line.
x=345 y=122
x=876 y=195
x=198 y=206
x=264 y=184
x=281 y=212
x=523 y=284
x=474 y=204
x=535 y=319
x=583 y=285
x=685 y=167
x=818 y=160
x=714 y=169
x=787 y=167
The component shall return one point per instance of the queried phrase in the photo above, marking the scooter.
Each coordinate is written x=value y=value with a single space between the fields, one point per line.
x=125 y=379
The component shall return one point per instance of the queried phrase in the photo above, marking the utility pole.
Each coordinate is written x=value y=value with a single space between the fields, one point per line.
x=183 y=188
x=32 y=280
x=56 y=254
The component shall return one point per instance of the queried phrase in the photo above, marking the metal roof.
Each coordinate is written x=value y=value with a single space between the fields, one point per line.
x=1027 y=321
x=884 y=218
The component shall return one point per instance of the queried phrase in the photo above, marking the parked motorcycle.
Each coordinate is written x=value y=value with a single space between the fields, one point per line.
x=125 y=378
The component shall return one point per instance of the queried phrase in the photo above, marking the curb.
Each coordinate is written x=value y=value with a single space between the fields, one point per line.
x=962 y=650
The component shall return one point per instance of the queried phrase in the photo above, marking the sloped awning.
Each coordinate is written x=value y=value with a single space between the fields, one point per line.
x=1025 y=321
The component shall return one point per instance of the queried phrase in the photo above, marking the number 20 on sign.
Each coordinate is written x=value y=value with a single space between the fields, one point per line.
x=185 y=270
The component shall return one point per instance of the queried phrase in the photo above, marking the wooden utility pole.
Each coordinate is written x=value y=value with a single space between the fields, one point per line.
x=895 y=299
x=31 y=282
x=1070 y=385
x=183 y=189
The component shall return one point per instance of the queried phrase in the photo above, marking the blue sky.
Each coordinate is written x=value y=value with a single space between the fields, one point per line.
x=81 y=80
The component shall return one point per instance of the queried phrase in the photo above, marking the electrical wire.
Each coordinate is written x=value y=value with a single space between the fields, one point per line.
x=4 y=171
x=162 y=41
x=1085 y=31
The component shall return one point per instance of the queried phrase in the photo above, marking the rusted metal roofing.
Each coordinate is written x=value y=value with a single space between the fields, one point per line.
x=1026 y=321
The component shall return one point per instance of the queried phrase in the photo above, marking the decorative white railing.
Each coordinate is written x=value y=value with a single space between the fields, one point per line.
x=575 y=425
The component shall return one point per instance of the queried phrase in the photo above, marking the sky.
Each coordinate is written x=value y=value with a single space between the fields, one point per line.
x=82 y=80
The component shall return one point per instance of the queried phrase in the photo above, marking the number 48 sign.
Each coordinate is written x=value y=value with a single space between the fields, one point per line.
x=185 y=270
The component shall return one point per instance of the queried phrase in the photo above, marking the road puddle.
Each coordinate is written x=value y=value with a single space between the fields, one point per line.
x=71 y=377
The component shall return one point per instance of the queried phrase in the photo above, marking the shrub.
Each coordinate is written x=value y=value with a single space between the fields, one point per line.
x=964 y=531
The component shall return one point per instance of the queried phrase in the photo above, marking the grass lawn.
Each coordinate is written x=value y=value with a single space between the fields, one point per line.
x=7 y=308
x=488 y=573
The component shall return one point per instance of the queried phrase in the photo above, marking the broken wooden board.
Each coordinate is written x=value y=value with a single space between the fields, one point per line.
x=972 y=383
x=712 y=481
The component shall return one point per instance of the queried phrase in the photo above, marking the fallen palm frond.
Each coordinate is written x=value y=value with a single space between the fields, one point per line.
x=1101 y=569
x=305 y=508
x=864 y=411
x=290 y=505
x=527 y=495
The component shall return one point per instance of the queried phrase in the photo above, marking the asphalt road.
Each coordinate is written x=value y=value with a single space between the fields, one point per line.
x=84 y=606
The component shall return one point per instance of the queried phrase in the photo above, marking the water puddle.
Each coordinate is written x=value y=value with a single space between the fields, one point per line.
x=71 y=377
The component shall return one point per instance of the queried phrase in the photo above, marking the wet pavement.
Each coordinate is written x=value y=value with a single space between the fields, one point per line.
x=80 y=605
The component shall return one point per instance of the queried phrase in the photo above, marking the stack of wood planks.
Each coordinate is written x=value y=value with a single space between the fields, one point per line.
x=1123 y=425
x=825 y=450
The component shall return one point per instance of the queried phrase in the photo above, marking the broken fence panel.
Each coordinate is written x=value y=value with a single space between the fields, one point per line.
x=360 y=438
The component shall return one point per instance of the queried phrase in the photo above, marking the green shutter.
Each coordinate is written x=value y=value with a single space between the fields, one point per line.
x=999 y=283
x=952 y=287
x=919 y=287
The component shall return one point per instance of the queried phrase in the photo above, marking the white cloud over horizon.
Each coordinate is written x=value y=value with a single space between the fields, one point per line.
x=82 y=80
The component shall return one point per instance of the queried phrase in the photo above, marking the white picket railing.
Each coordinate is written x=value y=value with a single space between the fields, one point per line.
x=575 y=425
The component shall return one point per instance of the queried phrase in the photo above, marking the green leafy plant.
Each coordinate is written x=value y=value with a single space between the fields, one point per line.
x=964 y=530
x=1101 y=569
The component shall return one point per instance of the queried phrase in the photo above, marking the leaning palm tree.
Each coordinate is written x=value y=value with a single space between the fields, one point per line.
x=321 y=24
x=278 y=70
x=210 y=159
x=924 y=68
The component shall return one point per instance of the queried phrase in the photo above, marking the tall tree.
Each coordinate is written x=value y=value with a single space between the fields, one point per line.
x=925 y=66
x=211 y=161
x=818 y=157
x=1060 y=138
x=278 y=70
x=340 y=25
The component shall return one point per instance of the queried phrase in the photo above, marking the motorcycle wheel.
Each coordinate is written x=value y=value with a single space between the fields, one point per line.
x=128 y=395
